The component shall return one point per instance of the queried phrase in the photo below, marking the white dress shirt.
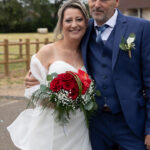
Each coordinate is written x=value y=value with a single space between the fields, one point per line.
x=111 y=23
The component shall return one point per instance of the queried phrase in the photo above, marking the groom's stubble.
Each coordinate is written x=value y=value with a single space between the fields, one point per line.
x=102 y=10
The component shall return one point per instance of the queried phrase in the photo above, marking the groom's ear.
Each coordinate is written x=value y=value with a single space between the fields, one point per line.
x=117 y=3
x=86 y=21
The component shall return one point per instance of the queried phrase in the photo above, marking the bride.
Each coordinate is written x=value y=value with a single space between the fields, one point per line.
x=36 y=129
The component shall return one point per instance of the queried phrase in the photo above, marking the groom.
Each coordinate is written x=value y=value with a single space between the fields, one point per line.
x=123 y=117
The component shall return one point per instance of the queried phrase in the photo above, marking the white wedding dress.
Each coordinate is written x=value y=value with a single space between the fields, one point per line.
x=36 y=129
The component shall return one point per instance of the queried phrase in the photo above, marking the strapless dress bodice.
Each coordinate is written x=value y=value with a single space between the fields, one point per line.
x=60 y=66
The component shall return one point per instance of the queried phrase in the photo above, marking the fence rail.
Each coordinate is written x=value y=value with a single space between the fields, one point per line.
x=27 y=43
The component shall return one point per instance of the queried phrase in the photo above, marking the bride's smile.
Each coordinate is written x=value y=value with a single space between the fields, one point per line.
x=73 y=25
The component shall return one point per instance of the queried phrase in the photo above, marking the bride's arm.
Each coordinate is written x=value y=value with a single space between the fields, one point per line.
x=44 y=55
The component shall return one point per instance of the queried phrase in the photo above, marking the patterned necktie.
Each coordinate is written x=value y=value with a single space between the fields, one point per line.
x=100 y=31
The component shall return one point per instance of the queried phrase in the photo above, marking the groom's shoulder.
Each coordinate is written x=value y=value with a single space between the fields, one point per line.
x=136 y=20
x=132 y=20
x=90 y=22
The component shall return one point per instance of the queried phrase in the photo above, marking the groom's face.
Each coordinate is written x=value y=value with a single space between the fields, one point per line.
x=102 y=10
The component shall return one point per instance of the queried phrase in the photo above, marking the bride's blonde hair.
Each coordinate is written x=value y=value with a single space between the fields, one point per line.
x=68 y=4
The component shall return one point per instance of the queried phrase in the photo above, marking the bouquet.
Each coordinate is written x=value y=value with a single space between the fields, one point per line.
x=67 y=92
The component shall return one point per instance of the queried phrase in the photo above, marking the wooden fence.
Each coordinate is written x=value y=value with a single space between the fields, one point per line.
x=27 y=43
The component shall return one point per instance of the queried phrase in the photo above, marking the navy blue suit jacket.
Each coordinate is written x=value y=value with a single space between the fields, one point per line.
x=130 y=76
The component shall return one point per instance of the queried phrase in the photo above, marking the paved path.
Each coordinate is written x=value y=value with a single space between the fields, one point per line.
x=12 y=90
x=12 y=102
x=9 y=110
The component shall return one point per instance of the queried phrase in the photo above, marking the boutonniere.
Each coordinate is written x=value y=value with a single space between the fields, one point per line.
x=128 y=45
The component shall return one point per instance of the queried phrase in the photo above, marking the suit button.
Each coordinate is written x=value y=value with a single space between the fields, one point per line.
x=116 y=78
x=103 y=55
x=104 y=87
x=104 y=65
x=105 y=99
x=105 y=76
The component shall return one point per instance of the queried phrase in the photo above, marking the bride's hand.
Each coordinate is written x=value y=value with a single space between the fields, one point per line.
x=147 y=141
x=30 y=80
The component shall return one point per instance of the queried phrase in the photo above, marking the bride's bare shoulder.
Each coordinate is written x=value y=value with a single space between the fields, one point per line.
x=46 y=54
x=46 y=50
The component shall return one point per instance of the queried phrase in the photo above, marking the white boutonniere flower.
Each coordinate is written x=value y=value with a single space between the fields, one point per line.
x=128 y=45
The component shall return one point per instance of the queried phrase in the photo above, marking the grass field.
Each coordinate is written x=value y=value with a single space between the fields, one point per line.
x=17 y=70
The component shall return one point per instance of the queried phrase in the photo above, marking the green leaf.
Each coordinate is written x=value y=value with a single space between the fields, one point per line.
x=57 y=104
x=53 y=97
x=89 y=106
x=76 y=77
x=98 y=93
x=95 y=107
x=43 y=87
x=88 y=97
x=50 y=77
x=123 y=40
x=132 y=35
x=122 y=46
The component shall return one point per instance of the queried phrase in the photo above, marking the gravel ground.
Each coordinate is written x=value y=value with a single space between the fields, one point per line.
x=12 y=102
x=16 y=90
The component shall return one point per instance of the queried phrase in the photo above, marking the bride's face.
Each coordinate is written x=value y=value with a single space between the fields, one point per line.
x=74 y=24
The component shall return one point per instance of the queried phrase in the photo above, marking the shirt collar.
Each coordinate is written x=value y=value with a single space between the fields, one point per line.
x=111 y=22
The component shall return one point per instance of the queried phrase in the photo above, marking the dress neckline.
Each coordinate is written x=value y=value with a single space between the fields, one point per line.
x=62 y=61
x=57 y=61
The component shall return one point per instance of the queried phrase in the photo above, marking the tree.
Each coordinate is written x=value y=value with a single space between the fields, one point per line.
x=11 y=14
x=28 y=15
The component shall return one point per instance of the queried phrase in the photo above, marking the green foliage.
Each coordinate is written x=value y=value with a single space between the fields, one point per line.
x=50 y=77
x=98 y=93
x=63 y=105
x=128 y=45
x=28 y=15
x=89 y=106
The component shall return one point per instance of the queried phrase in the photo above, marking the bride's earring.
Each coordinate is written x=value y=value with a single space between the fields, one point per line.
x=60 y=36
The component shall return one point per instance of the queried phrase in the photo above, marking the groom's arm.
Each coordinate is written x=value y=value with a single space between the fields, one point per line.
x=145 y=52
x=30 y=80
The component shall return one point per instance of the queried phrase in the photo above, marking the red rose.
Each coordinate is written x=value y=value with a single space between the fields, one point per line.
x=68 y=85
x=65 y=76
x=74 y=92
x=86 y=81
x=56 y=85
x=67 y=82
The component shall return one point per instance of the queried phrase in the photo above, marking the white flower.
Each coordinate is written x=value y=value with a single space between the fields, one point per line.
x=130 y=40
x=128 y=45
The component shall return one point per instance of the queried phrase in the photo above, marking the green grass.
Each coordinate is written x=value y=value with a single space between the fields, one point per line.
x=18 y=70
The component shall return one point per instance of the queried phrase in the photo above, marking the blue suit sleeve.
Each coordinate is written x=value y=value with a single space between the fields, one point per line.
x=145 y=51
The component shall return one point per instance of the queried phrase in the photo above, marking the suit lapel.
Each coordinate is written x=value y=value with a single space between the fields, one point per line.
x=121 y=27
x=85 y=42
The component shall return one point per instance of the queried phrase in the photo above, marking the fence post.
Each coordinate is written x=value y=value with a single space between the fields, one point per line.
x=37 y=45
x=6 y=57
x=46 y=41
x=20 y=48
x=27 y=54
